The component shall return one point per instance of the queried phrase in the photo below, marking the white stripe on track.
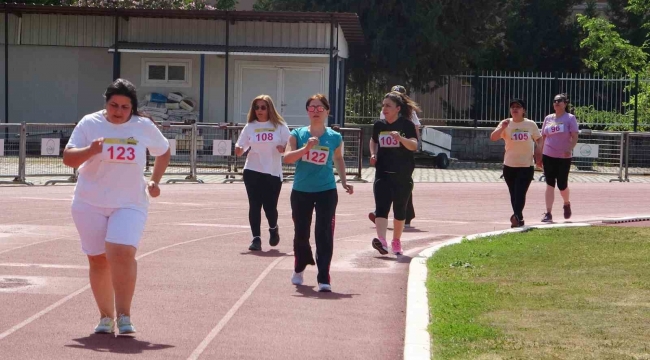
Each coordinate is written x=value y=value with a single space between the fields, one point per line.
x=36 y=243
x=65 y=299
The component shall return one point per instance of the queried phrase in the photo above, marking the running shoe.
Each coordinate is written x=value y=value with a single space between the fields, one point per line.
x=514 y=222
x=256 y=244
x=407 y=225
x=324 y=287
x=106 y=326
x=397 y=246
x=380 y=245
x=567 y=210
x=372 y=216
x=547 y=217
x=274 y=240
x=296 y=278
x=124 y=325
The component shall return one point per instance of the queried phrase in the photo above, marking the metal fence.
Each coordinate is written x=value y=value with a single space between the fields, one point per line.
x=600 y=152
x=36 y=150
x=637 y=154
x=482 y=99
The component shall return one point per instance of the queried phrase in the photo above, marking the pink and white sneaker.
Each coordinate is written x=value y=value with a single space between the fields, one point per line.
x=397 y=246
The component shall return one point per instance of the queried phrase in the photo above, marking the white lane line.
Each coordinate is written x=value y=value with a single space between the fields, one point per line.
x=44 y=198
x=48 y=266
x=215 y=225
x=65 y=299
x=222 y=323
x=32 y=244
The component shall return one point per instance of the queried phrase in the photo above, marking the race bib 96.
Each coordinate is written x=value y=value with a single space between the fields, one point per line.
x=554 y=128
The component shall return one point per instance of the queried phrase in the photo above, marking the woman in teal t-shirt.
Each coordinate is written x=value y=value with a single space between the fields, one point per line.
x=315 y=149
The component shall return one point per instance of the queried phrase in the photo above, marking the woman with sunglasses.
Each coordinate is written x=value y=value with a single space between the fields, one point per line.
x=560 y=136
x=520 y=136
x=315 y=149
x=393 y=142
x=266 y=135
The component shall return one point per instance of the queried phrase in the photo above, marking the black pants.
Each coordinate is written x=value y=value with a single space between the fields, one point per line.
x=556 y=169
x=302 y=208
x=518 y=180
x=410 y=211
x=392 y=189
x=263 y=191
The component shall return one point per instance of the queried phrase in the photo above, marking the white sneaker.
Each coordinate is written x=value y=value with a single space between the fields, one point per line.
x=106 y=326
x=124 y=325
x=324 y=287
x=296 y=279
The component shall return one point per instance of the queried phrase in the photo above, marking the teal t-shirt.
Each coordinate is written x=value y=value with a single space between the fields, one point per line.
x=316 y=174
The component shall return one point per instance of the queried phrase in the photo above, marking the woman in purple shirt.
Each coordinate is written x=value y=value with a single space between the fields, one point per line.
x=560 y=135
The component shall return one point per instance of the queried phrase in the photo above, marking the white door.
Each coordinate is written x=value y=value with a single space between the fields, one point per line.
x=257 y=81
x=298 y=84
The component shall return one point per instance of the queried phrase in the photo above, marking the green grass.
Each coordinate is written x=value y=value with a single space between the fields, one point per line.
x=573 y=293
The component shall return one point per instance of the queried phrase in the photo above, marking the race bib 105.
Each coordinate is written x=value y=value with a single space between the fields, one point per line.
x=520 y=136
x=121 y=151
x=317 y=155
x=263 y=136
x=387 y=141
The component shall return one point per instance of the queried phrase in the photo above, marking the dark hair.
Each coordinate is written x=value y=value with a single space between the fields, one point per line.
x=407 y=106
x=125 y=88
x=322 y=98
x=565 y=97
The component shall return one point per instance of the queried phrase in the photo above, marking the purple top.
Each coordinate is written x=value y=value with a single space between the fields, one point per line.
x=557 y=132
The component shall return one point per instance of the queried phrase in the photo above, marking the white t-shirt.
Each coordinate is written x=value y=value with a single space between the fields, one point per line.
x=263 y=138
x=414 y=118
x=115 y=177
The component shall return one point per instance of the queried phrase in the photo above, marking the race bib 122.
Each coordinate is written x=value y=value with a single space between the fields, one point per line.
x=317 y=155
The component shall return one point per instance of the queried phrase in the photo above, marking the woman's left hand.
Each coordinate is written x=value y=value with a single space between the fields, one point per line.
x=281 y=148
x=154 y=189
x=348 y=188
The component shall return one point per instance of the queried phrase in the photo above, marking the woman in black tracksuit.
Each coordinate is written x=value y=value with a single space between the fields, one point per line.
x=393 y=142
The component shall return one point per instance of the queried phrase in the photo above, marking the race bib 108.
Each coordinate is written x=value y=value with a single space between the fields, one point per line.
x=387 y=141
x=520 y=136
x=263 y=136
x=317 y=155
x=554 y=128
x=121 y=151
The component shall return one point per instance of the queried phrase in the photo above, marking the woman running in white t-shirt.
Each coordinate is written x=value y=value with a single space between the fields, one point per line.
x=110 y=203
x=266 y=135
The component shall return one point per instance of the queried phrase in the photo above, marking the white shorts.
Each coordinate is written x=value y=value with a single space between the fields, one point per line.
x=97 y=225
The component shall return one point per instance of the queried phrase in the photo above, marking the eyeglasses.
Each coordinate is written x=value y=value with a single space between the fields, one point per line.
x=312 y=108
x=558 y=101
x=256 y=107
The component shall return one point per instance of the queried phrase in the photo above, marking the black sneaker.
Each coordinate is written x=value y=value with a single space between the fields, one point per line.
x=256 y=244
x=547 y=217
x=274 y=240
x=514 y=222
x=567 y=211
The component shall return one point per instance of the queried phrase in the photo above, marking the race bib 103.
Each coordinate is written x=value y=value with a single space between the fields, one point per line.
x=317 y=155
x=387 y=141
x=121 y=151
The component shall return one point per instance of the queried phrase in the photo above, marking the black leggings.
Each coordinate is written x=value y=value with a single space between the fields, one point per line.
x=263 y=191
x=395 y=189
x=302 y=208
x=518 y=180
x=556 y=169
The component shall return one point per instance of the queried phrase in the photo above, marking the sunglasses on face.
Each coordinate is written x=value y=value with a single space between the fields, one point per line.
x=312 y=108
x=257 y=107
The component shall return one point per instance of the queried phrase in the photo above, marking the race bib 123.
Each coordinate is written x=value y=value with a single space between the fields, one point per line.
x=122 y=151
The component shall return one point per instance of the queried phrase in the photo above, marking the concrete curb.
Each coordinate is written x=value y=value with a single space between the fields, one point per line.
x=417 y=341
x=626 y=219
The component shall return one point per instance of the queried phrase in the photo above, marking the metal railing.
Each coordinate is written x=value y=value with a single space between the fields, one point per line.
x=36 y=150
x=637 y=155
x=600 y=152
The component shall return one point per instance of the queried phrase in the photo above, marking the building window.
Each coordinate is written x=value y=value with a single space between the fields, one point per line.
x=167 y=72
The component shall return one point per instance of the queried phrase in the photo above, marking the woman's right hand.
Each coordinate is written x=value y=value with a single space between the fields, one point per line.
x=505 y=123
x=373 y=160
x=97 y=146
x=313 y=141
